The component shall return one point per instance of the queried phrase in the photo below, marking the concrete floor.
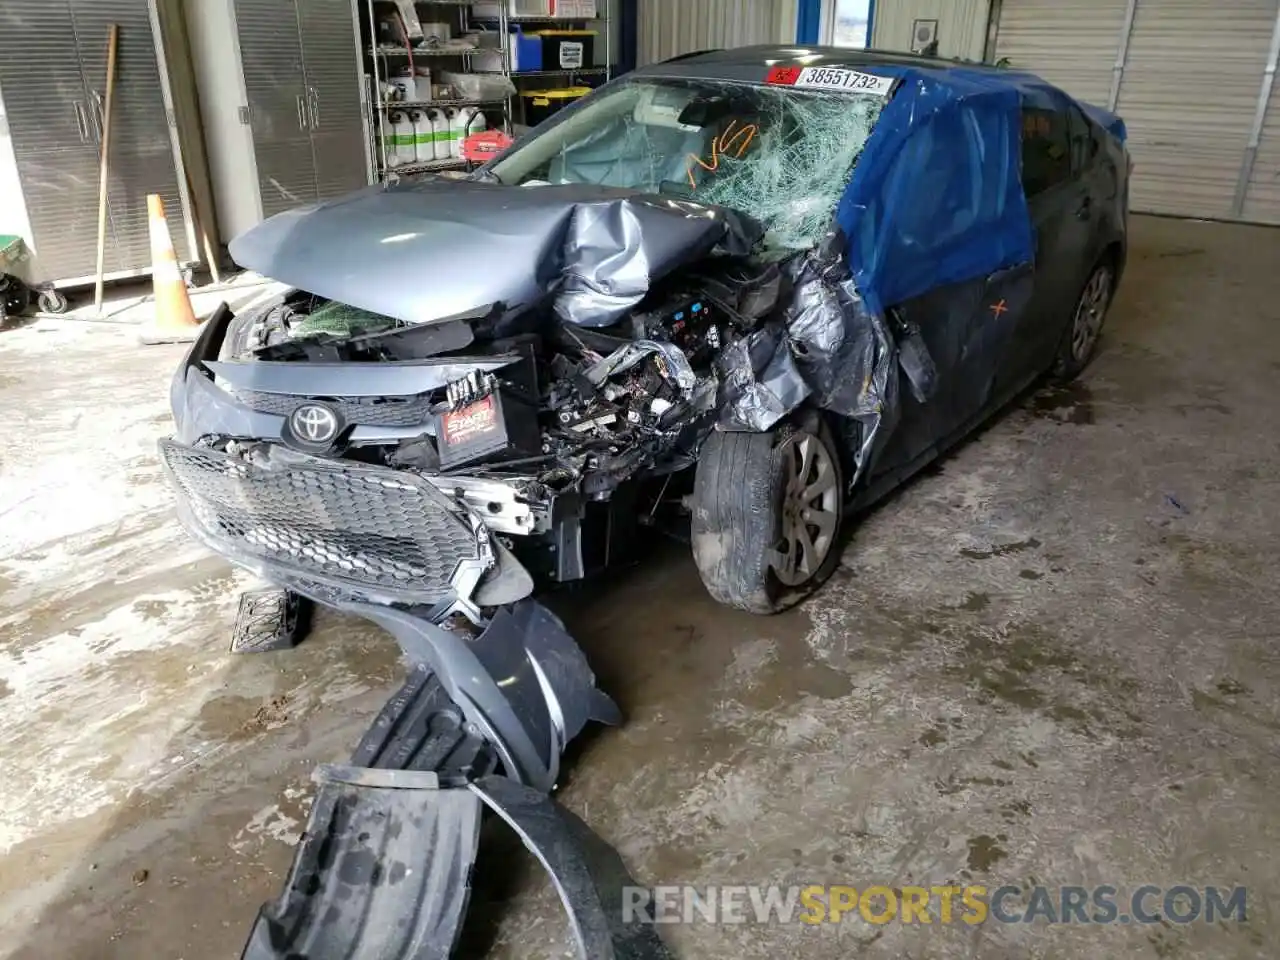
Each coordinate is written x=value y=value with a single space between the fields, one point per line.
x=1054 y=658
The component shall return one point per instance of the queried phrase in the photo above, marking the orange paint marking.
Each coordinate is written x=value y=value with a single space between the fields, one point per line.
x=723 y=145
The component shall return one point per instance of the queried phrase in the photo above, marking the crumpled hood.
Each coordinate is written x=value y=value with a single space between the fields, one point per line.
x=433 y=249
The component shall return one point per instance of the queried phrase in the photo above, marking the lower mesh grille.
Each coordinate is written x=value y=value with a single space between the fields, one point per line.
x=348 y=525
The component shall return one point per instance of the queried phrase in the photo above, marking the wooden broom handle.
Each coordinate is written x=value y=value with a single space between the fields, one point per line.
x=113 y=36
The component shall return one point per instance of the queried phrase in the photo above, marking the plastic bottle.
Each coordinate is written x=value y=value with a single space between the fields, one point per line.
x=439 y=134
x=463 y=131
x=423 y=138
x=454 y=139
x=406 y=138
x=391 y=139
x=470 y=121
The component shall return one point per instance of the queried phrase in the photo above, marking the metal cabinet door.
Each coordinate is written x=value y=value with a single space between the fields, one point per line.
x=142 y=159
x=49 y=120
x=271 y=58
x=331 y=63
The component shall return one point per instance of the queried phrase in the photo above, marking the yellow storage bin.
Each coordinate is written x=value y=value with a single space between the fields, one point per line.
x=541 y=104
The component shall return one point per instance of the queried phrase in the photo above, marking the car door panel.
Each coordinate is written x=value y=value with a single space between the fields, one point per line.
x=1098 y=171
x=1061 y=208
x=1060 y=218
x=968 y=329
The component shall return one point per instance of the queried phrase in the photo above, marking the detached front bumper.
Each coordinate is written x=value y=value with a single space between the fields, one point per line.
x=394 y=835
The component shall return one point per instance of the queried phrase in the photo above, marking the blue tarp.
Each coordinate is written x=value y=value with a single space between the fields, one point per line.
x=936 y=197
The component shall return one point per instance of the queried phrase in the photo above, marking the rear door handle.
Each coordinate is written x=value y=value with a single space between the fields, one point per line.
x=1085 y=210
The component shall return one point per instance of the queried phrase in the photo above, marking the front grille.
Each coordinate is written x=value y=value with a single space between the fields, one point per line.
x=410 y=411
x=347 y=525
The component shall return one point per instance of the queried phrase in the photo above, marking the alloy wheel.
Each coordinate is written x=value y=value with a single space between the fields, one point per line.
x=810 y=509
x=1090 y=312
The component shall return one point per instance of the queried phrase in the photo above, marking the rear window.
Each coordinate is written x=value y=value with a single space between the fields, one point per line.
x=1046 y=150
x=780 y=155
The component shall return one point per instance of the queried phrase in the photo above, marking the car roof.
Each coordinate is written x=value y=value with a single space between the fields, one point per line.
x=760 y=64
x=754 y=65
x=772 y=55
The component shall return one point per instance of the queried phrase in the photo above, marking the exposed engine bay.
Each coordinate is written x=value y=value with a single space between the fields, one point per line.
x=562 y=416
x=445 y=441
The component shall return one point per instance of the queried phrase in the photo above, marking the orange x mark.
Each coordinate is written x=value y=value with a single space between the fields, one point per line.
x=999 y=308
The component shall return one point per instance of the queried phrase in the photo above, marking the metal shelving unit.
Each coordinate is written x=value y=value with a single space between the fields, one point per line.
x=427 y=104
x=382 y=56
x=546 y=78
x=428 y=166
x=583 y=71
x=464 y=52
x=379 y=55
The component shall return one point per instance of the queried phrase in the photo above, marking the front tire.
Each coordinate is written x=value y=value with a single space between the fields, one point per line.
x=767 y=510
x=251 y=331
x=1081 y=338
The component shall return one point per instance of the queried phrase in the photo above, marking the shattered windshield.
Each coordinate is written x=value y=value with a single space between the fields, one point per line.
x=775 y=153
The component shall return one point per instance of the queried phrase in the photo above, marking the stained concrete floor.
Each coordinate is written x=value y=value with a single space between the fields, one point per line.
x=1054 y=660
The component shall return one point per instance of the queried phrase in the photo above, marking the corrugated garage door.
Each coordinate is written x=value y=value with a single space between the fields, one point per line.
x=1186 y=76
x=1071 y=43
x=669 y=28
x=1262 y=196
x=1188 y=96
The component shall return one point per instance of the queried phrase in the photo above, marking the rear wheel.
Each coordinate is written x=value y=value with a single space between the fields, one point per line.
x=767 y=514
x=1081 y=339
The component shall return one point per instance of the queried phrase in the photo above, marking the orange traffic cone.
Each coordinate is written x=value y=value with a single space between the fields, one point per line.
x=174 y=320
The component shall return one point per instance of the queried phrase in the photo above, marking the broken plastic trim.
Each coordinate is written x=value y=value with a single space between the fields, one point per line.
x=384 y=868
x=524 y=683
x=384 y=871
x=588 y=873
x=828 y=348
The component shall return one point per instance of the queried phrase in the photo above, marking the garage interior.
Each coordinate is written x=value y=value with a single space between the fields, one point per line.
x=1052 y=659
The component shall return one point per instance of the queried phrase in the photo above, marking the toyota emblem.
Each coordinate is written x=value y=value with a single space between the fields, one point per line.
x=313 y=423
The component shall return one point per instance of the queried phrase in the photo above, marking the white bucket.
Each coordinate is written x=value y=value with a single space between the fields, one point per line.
x=407 y=84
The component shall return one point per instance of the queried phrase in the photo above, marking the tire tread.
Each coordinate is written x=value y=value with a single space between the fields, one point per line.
x=737 y=519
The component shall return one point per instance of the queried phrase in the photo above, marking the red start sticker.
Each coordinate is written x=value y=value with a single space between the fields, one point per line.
x=786 y=76
x=470 y=421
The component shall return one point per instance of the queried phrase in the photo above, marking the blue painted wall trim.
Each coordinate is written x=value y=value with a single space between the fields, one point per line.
x=628 y=13
x=808 y=21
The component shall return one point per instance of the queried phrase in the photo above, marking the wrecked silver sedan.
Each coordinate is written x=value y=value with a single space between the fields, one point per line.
x=744 y=291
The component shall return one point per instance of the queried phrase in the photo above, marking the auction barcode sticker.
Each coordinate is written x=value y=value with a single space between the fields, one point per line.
x=832 y=78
